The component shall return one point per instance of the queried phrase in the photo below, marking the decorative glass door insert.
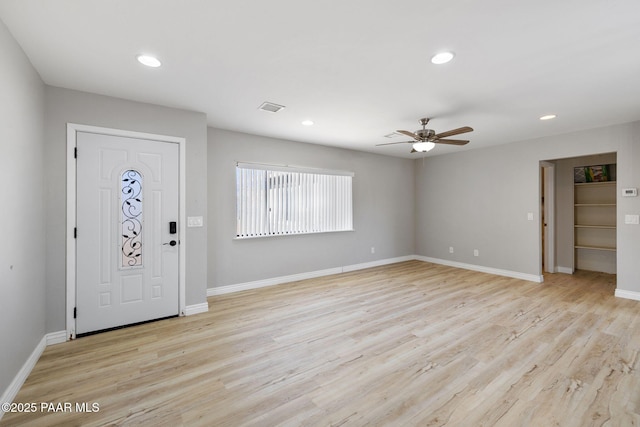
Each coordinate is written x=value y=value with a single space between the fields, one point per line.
x=131 y=218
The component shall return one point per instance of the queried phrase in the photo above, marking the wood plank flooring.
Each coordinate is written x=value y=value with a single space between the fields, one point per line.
x=410 y=344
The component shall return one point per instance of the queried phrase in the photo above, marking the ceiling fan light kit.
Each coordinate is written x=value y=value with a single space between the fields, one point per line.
x=426 y=139
x=423 y=147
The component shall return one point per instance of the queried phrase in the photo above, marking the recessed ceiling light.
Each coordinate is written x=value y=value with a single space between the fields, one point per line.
x=548 y=117
x=149 y=61
x=442 y=57
x=307 y=123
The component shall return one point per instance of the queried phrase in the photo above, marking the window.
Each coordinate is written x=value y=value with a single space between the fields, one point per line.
x=281 y=200
x=131 y=218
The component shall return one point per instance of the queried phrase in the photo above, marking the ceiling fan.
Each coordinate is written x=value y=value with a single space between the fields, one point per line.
x=425 y=139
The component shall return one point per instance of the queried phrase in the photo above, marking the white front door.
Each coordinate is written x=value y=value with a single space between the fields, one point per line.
x=127 y=231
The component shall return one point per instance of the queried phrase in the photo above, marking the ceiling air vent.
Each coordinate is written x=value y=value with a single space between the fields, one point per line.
x=270 y=107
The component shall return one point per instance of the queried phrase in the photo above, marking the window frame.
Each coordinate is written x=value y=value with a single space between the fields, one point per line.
x=291 y=200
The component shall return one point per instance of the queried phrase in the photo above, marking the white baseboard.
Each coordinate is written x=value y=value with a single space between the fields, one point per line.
x=13 y=389
x=270 y=282
x=483 y=269
x=377 y=263
x=56 y=337
x=190 y=310
x=303 y=276
x=621 y=293
x=565 y=270
x=319 y=273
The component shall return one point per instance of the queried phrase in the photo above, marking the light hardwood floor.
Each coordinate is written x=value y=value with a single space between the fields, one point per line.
x=401 y=345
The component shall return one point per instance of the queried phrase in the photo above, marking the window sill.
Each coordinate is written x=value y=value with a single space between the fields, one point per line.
x=290 y=234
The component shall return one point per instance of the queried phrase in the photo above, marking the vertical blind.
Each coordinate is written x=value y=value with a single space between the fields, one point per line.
x=279 y=200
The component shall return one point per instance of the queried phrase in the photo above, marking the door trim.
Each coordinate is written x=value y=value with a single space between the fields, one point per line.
x=72 y=131
x=549 y=217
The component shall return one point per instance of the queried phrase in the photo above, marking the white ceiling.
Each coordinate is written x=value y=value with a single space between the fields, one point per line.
x=360 y=69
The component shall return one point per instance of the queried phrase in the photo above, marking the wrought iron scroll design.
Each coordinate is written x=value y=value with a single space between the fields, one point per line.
x=131 y=218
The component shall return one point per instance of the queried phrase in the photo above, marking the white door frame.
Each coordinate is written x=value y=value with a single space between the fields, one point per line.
x=72 y=130
x=549 y=217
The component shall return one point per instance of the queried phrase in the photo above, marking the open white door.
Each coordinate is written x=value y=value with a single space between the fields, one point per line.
x=127 y=245
x=549 y=238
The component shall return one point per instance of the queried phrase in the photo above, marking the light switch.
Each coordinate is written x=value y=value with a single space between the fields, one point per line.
x=632 y=219
x=530 y=216
x=194 y=221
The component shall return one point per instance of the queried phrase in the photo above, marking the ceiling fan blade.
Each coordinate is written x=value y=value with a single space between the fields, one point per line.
x=451 y=141
x=452 y=132
x=409 y=134
x=398 y=142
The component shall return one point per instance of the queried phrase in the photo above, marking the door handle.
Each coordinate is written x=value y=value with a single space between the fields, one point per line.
x=171 y=243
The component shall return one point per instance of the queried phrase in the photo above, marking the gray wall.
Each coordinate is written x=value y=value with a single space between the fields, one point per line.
x=22 y=256
x=383 y=206
x=479 y=199
x=63 y=106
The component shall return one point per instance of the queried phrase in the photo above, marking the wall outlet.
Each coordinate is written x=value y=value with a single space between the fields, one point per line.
x=476 y=252
x=373 y=249
x=194 y=221
x=450 y=249
x=631 y=219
